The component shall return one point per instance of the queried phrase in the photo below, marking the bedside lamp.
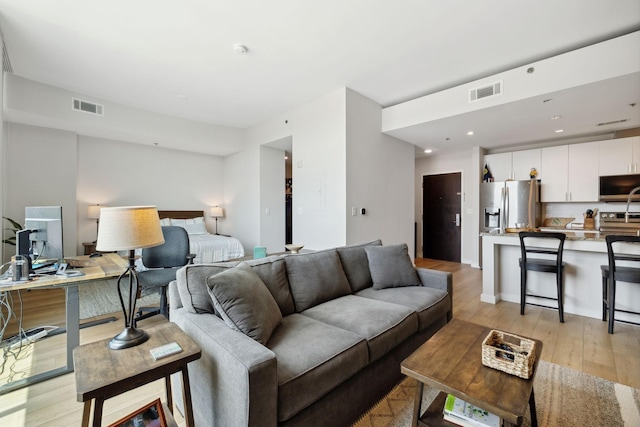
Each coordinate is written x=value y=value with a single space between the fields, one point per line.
x=94 y=213
x=126 y=229
x=216 y=212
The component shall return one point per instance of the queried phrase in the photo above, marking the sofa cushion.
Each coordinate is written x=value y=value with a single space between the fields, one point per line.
x=356 y=264
x=313 y=358
x=273 y=272
x=391 y=266
x=316 y=277
x=244 y=302
x=382 y=324
x=192 y=286
x=430 y=304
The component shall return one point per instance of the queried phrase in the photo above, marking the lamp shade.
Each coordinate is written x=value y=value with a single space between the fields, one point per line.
x=94 y=211
x=129 y=227
x=216 y=212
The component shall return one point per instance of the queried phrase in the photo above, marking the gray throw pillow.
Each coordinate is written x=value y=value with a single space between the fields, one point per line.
x=391 y=267
x=244 y=302
x=316 y=277
x=356 y=265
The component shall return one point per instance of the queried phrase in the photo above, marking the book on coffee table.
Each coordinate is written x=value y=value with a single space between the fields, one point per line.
x=465 y=414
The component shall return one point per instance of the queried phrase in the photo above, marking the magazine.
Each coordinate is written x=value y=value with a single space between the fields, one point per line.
x=460 y=412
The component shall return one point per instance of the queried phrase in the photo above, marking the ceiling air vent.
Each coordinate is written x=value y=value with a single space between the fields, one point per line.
x=478 y=93
x=613 y=122
x=87 y=107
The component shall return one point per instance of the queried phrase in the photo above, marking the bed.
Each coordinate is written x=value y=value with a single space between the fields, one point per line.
x=207 y=247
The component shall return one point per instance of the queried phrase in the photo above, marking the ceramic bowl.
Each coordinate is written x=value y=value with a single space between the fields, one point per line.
x=294 y=248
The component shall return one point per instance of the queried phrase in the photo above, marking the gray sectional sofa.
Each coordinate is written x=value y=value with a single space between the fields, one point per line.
x=312 y=339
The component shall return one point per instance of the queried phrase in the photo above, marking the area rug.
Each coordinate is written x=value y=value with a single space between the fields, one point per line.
x=564 y=397
x=101 y=297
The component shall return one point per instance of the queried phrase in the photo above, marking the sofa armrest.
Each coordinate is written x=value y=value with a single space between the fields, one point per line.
x=235 y=382
x=440 y=280
x=175 y=301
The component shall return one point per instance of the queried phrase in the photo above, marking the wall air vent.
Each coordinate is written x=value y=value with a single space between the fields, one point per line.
x=87 y=107
x=478 y=93
x=613 y=122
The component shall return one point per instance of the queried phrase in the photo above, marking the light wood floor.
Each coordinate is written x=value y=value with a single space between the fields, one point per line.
x=580 y=343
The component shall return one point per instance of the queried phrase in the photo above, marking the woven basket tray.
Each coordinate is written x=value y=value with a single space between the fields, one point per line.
x=516 y=357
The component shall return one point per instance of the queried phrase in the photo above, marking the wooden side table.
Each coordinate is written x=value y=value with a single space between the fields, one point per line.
x=102 y=373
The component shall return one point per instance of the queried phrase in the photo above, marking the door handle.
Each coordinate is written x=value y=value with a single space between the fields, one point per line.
x=457 y=220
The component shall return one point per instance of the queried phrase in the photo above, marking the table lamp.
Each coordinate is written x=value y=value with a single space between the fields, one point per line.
x=94 y=213
x=126 y=229
x=216 y=212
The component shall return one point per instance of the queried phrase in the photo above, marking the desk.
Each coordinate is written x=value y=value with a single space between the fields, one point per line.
x=102 y=373
x=106 y=266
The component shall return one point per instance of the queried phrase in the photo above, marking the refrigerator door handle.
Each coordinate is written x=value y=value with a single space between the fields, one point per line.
x=503 y=213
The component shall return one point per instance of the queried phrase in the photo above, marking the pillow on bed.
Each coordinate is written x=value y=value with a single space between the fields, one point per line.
x=193 y=226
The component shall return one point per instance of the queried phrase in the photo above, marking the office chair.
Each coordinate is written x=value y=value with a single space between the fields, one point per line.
x=163 y=261
x=612 y=273
x=552 y=263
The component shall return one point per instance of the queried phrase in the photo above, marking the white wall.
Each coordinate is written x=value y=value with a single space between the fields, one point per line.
x=318 y=134
x=40 y=170
x=380 y=171
x=53 y=167
x=272 y=200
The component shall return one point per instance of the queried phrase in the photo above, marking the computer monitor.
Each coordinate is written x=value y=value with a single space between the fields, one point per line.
x=45 y=236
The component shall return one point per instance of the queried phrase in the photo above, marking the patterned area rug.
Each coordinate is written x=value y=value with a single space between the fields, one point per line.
x=101 y=297
x=564 y=397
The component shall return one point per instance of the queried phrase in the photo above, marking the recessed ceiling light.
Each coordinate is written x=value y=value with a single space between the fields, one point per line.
x=559 y=130
x=182 y=96
x=555 y=117
x=428 y=151
x=470 y=133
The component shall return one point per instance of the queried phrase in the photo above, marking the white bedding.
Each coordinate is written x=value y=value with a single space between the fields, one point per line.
x=214 y=248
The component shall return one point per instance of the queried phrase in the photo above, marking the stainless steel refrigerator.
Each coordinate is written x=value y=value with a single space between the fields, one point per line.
x=510 y=204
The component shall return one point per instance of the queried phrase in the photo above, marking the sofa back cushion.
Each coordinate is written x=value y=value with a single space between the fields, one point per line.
x=356 y=265
x=391 y=266
x=273 y=272
x=316 y=277
x=192 y=286
x=244 y=302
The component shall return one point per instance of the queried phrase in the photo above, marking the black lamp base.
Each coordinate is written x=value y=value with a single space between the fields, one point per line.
x=129 y=337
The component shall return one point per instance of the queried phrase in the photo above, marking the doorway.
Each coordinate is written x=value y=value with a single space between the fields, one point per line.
x=441 y=216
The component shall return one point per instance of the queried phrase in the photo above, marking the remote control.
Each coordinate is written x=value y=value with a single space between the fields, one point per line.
x=165 y=350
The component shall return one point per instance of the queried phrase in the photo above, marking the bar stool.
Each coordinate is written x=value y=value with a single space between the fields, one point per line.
x=549 y=264
x=613 y=273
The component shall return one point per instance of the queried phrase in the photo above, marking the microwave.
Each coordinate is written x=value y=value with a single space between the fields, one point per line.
x=616 y=188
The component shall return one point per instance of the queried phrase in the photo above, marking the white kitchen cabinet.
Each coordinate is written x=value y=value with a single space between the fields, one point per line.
x=619 y=156
x=514 y=165
x=570 y=173
x=499 y=165
x=523 y=161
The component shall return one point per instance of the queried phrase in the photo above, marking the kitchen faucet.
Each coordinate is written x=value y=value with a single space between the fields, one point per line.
x=626 y=212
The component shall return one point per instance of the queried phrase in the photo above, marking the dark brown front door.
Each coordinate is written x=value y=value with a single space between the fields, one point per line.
x=441 y=204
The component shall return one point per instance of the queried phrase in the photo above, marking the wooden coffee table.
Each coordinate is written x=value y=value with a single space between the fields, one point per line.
x=451 y=361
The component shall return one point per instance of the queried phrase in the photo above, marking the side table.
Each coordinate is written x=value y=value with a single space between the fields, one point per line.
x=102 y=373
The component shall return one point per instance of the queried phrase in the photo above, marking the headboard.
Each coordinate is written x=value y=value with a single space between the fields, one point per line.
x=180 y=214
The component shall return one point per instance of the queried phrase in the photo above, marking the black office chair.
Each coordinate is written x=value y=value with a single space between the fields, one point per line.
x=612 y=273
x=163 y=261
x=550 y=262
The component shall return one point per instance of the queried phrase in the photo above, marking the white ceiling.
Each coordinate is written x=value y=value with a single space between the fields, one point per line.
x=177 y=57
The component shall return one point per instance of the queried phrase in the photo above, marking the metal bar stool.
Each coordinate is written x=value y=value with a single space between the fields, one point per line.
x=612 y=273
x=552 y=263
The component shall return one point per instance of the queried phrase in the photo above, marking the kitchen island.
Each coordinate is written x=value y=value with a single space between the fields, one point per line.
x=584 y=253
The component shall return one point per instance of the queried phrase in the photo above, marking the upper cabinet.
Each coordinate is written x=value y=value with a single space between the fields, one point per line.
x=516 y=165
x=619 y=156
x=570 y=173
